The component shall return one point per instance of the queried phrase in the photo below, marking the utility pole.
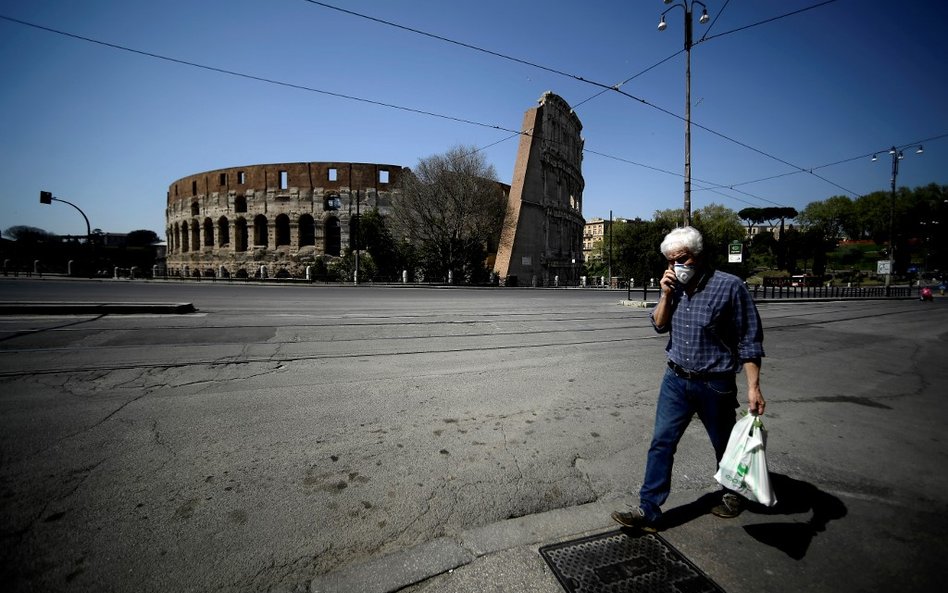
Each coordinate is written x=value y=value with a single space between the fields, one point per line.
x=687 y=7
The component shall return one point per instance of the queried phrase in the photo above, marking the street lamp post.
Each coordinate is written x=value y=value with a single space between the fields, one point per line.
x=687 y=7
x=896 y=157
x=47 y=198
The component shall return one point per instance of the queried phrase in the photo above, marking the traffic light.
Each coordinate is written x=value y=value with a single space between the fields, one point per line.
x=46 y=197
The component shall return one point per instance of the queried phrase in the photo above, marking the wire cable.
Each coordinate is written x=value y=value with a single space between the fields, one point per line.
x=448 y=40
x=765 y=21
x=513 y=133
x=254 y=77
x=603 y=86
x=716 y=17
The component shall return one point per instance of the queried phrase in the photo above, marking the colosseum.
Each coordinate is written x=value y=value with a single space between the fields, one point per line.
x=273 y=220
x=284 y=220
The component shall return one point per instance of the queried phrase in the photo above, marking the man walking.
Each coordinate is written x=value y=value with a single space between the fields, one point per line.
x=714 y=332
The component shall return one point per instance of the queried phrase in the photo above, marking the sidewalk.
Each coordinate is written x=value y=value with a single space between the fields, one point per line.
x=812 y=540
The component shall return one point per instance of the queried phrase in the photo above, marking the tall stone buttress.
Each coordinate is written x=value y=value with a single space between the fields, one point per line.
x=541 y=241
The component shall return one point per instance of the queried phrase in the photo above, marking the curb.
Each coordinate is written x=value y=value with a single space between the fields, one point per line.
x=395 y=571
x=66 y=308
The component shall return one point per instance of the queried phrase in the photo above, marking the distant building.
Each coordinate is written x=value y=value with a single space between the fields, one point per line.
x=541 y=242
x=757 y=229
x=596 y=230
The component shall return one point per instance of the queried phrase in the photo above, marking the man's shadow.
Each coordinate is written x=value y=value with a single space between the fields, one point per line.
x=793 y=498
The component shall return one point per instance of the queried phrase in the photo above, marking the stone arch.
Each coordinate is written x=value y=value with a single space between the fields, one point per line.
x=261 y=236
x=240 y=204
x=307 y=231
x=282 y=230
x=176 y=239
x=195 y=236
x=240 y=234
x=184 y=237
x=333 y=237
x=195 y=208
x=223 y=231
x=208 y=233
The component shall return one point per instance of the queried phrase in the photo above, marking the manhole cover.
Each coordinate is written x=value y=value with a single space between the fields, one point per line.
x=621 y=562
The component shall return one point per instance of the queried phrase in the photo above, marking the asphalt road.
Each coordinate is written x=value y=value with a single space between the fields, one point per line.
x=282 y=432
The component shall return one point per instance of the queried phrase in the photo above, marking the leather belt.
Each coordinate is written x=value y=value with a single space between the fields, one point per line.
x=695 y=376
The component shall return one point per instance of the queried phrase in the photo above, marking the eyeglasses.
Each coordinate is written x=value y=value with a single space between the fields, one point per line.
x=682 y=259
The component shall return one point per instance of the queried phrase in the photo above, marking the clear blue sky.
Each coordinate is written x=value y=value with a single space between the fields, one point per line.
x=110 y=130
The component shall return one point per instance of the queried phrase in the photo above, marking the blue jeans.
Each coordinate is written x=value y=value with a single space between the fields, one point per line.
x=678 y=400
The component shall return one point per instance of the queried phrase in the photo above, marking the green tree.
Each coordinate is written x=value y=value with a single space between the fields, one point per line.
x=141 y=238
x=28 y=234
x=449 y=210
x=719 y=227
x=635 y=248
x=376 y=239
x=828 y=218
x=763 y=249
x=870 y=217
x=752 y=216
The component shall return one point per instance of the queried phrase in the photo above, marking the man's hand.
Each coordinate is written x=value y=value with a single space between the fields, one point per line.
x=755 y=402
x=662 y=313
x=668 y=281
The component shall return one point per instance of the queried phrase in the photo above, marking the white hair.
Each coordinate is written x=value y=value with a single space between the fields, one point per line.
x=687 y=238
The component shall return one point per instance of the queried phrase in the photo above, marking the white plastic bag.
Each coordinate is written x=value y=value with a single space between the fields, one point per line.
x=743 y=467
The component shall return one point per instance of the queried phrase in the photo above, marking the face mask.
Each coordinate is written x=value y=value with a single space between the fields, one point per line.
x=684 y=273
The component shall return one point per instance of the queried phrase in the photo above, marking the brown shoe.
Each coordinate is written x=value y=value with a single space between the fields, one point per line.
x=634 y=518
x=731 y=506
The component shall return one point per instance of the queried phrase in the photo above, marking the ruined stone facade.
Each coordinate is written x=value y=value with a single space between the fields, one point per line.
x=541 y=242
x=279 y=218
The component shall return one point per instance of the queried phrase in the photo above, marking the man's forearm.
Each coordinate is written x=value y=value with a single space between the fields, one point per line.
x=755 y=399
x=662 y=313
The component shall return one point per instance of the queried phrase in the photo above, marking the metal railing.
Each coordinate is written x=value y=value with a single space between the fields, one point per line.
x=832 y=292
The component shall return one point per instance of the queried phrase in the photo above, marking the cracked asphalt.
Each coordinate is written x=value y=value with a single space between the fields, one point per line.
x=282 y=433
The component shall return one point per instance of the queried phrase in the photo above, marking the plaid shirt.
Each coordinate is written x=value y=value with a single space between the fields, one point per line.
x=715 y=330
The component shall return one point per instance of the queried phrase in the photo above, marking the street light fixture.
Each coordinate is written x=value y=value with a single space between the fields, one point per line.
x=687 y=6
x=897 y=156
x=47 y=198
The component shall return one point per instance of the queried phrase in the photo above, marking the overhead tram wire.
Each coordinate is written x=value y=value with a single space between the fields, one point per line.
x=763 y=22
x=513 y=133
x=827 y=165
x=714 y=20
x=254 y=77
x=410 y=109
x=299 y=86
x=295 y=86
x=603 y=86
x=597 y=95
x=447 y=40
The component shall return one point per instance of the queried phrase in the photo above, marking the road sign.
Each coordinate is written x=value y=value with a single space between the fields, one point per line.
x=735 y=252
x=883 y=266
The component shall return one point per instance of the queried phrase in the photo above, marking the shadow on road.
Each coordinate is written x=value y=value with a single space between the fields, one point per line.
x=28 y=332
x=794 y=497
